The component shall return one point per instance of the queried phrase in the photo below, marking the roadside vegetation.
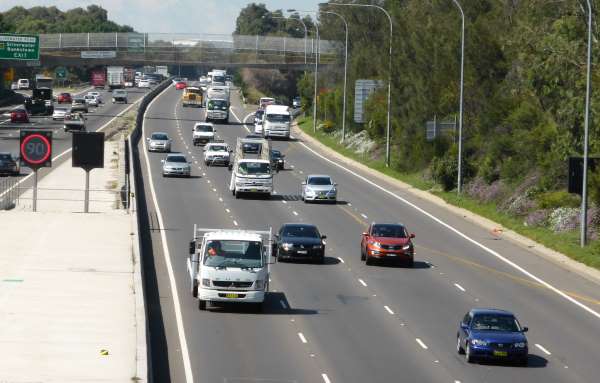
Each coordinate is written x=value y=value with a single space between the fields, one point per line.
x=524 y=106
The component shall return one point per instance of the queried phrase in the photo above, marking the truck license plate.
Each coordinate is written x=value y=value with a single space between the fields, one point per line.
x=231 y=295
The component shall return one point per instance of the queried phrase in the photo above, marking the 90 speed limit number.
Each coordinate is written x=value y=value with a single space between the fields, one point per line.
x=36 y=149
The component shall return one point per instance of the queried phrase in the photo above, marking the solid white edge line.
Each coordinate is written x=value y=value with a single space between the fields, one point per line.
x=420 y=342
x=362 y=282
x=389 y=310
x=543 y=349
x=460 y=287
x=325 y=378
x=460 y=234
x=302 y=338
x=178 y=316
x=71 y=149
x=364 y=216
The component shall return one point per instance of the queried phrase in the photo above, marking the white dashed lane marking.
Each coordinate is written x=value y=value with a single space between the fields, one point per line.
x=325 y=378
x=460 y=287
x=389 y=310
x=423 y=345
x=341 y=260
x=362 y=282
x=364 y=216
x=543 y=349
x=295 y=213
x=302 y=338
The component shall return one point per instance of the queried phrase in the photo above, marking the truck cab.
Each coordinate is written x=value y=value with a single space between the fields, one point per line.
x=217 y=109
x=276 y=121
x=192 y=96
x=230 y=266
x=203 y=133
x=251 y=170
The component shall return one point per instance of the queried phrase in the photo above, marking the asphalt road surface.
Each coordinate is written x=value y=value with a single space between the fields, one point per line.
x=344 y=321
x=97 y=118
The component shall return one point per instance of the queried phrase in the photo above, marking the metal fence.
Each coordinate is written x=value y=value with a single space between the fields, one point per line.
x=143 y=41
x=9 y=192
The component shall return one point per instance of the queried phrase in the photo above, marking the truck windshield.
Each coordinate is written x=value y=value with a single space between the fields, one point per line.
x=254 y=168
x=217 y=104
x=218 y=148
x=231 y=253
x=204 y=128
x=278 y=117
x=219 y=79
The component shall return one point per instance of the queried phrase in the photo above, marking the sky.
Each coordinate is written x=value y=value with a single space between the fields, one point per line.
x=170 y=16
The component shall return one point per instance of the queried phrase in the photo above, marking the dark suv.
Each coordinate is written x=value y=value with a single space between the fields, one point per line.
x=9 y=164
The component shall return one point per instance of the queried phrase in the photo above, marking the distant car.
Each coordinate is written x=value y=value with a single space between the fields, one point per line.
x=202 y=133
x=64 y=98
x=74 y=122
x=14 y=86
x=296 y=103
x=180 y=85
x=143 y=83
x=176 y=80
x=19 y=115
x=387 y=242
x=318 y=188
x=216 y=153
x=59 y=113
x=159 y=142
x=492 y=334
x=79 y=105
x=176 y=164
x=119 y=95
x=277 y=159
x=97 y=95
x=258 y=121
x=299 y=241
x=9 y=164
x=264 y=101
x=23 y=83
x=91 y=100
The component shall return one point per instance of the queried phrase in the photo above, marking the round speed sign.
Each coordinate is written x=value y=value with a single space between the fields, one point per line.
x=36 y=149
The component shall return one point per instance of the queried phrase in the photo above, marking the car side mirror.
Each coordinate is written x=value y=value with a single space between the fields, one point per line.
x=162 y=161
x=335 y=184
x=525 y=329
x=189 y=162
x=412 y=235
x=303 y=183
x=463 y=326
x=364 y=234
x=323 y=237
x=147 y=138
x=192 y=247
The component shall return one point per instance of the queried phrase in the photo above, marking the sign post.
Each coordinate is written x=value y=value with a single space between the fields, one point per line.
x=36 y=152
x=88 y=154
x=19 y=47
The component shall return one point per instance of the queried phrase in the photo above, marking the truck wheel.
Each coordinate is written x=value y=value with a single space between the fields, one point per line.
x=195 y=288
x=201 y=305
x=258 y=307
x=237 y=194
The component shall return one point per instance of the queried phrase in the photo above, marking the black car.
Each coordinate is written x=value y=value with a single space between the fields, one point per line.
x=8 y=164
x=299 y=241
x=277 y=159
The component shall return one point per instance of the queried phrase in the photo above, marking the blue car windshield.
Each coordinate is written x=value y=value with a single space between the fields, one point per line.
x=491 y=322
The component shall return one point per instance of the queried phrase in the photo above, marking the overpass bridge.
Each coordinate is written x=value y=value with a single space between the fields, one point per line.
x=93 y=49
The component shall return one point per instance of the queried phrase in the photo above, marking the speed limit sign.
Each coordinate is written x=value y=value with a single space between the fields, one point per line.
x=36 y=148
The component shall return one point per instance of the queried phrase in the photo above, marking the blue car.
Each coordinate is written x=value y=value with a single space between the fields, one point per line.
x=491 y=334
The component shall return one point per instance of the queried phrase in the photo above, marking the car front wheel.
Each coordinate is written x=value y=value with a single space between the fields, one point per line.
x=459 y=349
x=469 y=355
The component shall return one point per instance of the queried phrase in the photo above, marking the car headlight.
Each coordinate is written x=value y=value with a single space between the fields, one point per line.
x=520 y=345
x=375 y=244
x=310 y=191
x=205 y=282
x=479 y=342
x=318 y=246
x=287 y=246
x=259 y=284
x=406 y=247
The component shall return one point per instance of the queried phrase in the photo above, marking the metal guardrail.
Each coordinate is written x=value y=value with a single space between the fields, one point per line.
x=144 y=41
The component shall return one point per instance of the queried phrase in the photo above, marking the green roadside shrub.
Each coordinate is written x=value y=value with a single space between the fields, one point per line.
x=556 y=199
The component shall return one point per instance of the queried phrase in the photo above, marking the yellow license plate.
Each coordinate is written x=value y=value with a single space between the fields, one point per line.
x=231 y=296
x=500 y=353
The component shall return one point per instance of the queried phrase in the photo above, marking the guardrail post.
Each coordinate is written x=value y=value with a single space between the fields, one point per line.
x=256 y=47
x=60 y=40
x=284 y=49
x=88 y=41
x=116 y=39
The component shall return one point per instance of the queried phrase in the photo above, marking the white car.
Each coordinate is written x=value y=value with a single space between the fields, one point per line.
x=91 y=100
x=97 y=95
x=203 y=133
x=144 y=84
x=217 y=153
x=258 y=127
x=23 y=83
x=60 y=113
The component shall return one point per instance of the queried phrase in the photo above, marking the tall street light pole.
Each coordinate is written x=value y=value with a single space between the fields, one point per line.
x=345 y=73
x=316 y=65
x=389 y=96
x=462 y=80
x=588 y=91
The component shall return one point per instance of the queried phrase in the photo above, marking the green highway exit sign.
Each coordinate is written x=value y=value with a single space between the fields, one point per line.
x=19 y=47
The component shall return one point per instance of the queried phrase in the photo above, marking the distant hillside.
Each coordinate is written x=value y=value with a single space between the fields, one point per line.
x=52 y=20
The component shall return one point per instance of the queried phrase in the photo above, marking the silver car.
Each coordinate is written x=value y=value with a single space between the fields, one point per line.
x=176 y=165
x=319 y=188
x=159 y=142
x=59 y=113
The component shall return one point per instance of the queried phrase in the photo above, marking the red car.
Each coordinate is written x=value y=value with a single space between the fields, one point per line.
x=180 y=85
x=387 y=242
x=19 y=115
x=64 y=98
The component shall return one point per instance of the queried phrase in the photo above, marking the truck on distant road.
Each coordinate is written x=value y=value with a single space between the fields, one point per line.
x=276 y=121
x=98 y=78
x=162 y=70
x=115 y=77
x=129 y=77
x=251 y=170
x=43 y=82
x=192 y=96
x=227 y=265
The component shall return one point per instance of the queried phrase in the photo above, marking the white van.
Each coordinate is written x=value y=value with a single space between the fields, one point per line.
x=23 y=83
x=276 y=121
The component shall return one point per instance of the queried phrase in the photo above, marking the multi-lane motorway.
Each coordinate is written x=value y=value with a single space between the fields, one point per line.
x=97 y=120
x=344 y=321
